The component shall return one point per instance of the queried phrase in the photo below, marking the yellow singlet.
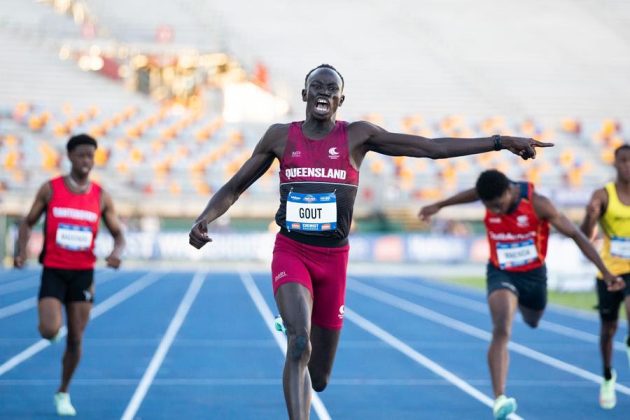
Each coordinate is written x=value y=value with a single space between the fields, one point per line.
x=616 y=226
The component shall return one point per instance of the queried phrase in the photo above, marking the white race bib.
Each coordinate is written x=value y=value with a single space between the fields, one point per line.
x=620 y=247
x=515 y=254
x=311 y=212
x=74 y=238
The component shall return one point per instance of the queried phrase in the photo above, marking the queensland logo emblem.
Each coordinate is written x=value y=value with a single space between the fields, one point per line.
x=522 y=220
x=310 y=199
x=333 y=153
x=296 y=153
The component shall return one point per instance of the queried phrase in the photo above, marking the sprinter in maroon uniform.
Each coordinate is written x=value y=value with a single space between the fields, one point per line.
x=73 y=206
x=319 y=175
x=517 y=222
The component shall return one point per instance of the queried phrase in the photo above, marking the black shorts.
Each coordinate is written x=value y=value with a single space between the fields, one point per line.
x=608 y=303
x=67 y=285
x=530 y=287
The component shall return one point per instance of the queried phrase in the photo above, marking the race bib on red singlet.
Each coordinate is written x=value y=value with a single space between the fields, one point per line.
x=73 y=237
x=515 y=254
x=311 y=212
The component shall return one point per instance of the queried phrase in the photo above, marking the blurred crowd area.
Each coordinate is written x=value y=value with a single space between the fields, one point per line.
x=177 y=110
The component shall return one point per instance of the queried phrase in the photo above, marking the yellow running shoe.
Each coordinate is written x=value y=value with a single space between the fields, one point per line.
x=607 y=397
x=63 y=404
x=503 y=407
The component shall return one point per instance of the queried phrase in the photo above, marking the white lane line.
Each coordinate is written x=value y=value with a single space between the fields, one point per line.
x=454 y=324
x=99 y=309
x=475 y=305
x=165 y=344
x=18 y=285
x=29 y=303
x=420 y=359
x=18 y=307
x=267 y=316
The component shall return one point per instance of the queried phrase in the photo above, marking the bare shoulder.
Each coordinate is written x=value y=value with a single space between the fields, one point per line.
x=542 y=205
x=274 y=139
x=45 y=192
x=364 y=127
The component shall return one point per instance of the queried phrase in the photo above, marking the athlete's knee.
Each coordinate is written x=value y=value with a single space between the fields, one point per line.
x=48 y=331
x=501 y=331
x=73 y=343
x=608 y=330
x=299 y=347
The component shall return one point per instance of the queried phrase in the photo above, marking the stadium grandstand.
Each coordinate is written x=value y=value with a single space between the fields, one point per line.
x=178 y=98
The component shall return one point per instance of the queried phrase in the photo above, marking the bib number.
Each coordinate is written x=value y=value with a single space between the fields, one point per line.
x=620 y=247
x=515 y=254
x=311 y=212
x=74 y=238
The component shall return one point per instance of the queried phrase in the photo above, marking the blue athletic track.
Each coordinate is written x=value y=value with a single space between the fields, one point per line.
x=200 y=345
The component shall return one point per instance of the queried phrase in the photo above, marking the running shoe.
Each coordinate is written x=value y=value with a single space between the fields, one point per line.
x=279 y=325
x=63 y=404
x=503 y=407
x=628 y=353
x=607 y=397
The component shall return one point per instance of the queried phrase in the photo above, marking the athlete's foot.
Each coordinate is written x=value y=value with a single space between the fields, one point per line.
x=63 y=404
x=279 y=325
x=503 y=407
x=607 y=397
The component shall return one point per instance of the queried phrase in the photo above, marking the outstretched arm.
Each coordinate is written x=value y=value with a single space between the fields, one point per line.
x=26 y=225
x=259 y=162
x=594 y=210
x=467 y=196
x=546 y=210
x=113 y=225
x=396 y=144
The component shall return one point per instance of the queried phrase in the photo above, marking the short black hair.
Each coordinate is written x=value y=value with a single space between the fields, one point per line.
x=621 y=148
x=324 y=66
x=491 y=184
x=80 y=139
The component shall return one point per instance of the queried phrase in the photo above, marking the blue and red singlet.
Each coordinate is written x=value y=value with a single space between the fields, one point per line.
x=518 y=240
x=72 y=222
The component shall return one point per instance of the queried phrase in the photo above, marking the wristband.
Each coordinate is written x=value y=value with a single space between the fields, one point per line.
x=497 y=142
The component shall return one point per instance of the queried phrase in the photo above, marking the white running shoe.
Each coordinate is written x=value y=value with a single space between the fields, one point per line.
x=503 y=407
x=63 y=404
x=607 y=397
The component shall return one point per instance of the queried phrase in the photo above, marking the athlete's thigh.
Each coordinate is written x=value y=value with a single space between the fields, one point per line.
x=503 y=304
x=50 y=314
x=295 y=304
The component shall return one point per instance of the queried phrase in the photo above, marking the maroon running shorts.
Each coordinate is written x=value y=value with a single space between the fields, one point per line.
x=322 y=270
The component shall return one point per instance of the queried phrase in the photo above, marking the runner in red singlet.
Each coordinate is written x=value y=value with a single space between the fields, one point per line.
x=319 y=174
x=73 y=206
x=517 y=222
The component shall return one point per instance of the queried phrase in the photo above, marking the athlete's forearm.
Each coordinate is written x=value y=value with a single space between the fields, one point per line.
x=447 y=147
x=24 y=234
x=119 y=245
x=218 y=205
x=588 y=225
x=589 y=251
x=467 y=196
